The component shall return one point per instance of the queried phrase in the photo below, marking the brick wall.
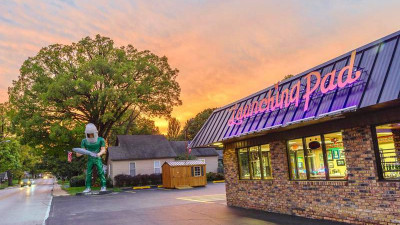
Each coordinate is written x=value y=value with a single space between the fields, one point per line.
x=360 y=200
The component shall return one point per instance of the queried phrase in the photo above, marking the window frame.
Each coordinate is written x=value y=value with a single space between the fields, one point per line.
x=324 y=153
x=109 y=170
x=130 y=169
x=154 y=166
x=194 y=171
x=375 y=144
x=250 y=167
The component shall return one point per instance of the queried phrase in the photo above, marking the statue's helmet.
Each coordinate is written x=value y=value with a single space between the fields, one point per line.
x=91 y=133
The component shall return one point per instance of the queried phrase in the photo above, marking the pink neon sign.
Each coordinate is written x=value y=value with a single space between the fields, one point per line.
x=287 y=97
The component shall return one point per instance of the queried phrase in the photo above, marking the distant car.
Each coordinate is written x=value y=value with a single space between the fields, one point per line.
x=26 y=182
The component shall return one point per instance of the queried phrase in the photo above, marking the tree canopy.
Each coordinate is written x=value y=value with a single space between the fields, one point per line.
x=193 y=125
x=174 y=127
x=63 y=87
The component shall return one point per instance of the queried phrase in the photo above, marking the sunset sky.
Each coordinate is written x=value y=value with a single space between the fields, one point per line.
x=225 y=50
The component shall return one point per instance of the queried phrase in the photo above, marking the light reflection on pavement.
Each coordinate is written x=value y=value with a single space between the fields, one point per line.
x=26 y=205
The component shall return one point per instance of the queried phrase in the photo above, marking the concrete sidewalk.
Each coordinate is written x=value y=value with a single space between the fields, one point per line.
x=57 y=191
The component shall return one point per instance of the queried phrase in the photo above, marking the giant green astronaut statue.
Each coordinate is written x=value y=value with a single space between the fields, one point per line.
x=95 y=144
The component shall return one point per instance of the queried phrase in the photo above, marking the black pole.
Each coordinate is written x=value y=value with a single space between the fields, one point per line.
x=9 y=176
x=186 y=141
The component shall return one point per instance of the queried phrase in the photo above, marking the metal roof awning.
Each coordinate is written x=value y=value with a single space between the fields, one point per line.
x=361 y=78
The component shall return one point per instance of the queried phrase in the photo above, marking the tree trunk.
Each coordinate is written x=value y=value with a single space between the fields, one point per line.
x=9 y=175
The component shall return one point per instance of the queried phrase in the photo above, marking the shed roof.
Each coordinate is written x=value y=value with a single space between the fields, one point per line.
x=379 y=82
x=186 y=163
x=132 y=147
x=180 y=149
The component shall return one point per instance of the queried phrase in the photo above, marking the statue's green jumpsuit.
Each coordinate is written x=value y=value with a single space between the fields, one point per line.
x=94 y=161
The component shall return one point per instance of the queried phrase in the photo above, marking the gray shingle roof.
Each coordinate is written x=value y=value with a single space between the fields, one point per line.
x=132 y=147
x=180 y=149
x=186 y=163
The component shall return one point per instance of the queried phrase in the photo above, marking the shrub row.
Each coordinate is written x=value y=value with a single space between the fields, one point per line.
x=123 y=180
x=79 y=181
x=215 y=176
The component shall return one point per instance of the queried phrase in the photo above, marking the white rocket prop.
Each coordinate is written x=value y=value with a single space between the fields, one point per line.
x=84 y=152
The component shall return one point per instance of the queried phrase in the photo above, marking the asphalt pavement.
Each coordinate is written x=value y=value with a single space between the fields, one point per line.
x=26 y=205
x=205 y=205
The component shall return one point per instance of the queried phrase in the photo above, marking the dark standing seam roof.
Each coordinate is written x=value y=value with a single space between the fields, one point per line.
x=379 y=62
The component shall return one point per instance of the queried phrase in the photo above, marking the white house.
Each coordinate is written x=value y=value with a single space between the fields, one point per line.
x=145 y=154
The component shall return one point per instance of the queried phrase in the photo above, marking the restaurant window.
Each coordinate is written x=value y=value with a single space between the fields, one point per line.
x=255 y=163
x=388 y=139
x=335 y=156
x=266 y=161
x=244 y=164
x=315 y=158
x=319 y=157
x=297 y=161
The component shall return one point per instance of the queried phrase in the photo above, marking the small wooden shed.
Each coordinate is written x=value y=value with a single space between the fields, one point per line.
x=184 y=173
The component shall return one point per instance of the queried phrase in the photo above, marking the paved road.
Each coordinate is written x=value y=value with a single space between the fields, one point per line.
x=167 y=207
x=25 y=205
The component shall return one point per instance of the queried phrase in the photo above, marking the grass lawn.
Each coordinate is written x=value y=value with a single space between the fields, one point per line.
x=63 y=183
x=74 y=190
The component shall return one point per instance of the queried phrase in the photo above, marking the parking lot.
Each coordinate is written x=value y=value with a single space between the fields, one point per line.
x=206 y=205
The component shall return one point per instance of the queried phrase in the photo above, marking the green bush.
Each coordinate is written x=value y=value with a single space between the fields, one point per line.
x=80 y=181
x=109 y=182
x=77 y=181
x=123 y=180
x=215 y=176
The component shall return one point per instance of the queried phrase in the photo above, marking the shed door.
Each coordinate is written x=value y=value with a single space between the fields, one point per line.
x=180 y=176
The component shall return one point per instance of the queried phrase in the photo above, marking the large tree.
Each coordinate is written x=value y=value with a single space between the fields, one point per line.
x=4 y=120
x=133 y=124
x=193 y=125
x=65 y=86
x=10 y=158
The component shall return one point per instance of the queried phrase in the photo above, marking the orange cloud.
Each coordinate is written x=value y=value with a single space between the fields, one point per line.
x=224 y=50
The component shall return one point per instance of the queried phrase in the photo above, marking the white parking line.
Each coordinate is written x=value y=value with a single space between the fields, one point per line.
x=205 y=198
x=48 y=211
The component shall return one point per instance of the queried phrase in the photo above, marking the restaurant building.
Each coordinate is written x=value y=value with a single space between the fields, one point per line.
x=323 y=144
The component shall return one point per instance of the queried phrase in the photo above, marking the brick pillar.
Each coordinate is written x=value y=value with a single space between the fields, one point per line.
x=279 y=162
x=231 y=171
x=360 y=156
x=279 y=186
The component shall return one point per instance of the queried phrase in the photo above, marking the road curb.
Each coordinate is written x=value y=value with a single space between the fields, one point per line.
x=218 y=181
x=147 y=187
x=141 y=187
